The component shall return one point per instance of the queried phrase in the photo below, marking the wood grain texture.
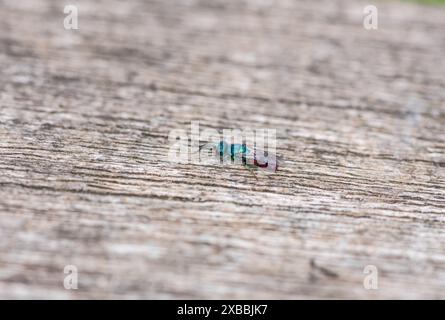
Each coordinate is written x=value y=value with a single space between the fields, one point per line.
x=84 y=122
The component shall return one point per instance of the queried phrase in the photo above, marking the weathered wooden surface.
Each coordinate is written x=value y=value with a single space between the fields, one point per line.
x=84 y=121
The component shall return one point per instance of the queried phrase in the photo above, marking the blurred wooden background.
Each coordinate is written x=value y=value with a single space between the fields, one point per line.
x=84 y=122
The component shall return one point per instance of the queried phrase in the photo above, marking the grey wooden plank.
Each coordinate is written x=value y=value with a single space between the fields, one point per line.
x=84 y=122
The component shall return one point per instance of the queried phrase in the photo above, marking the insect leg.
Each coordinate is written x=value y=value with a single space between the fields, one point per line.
x=252 y=172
